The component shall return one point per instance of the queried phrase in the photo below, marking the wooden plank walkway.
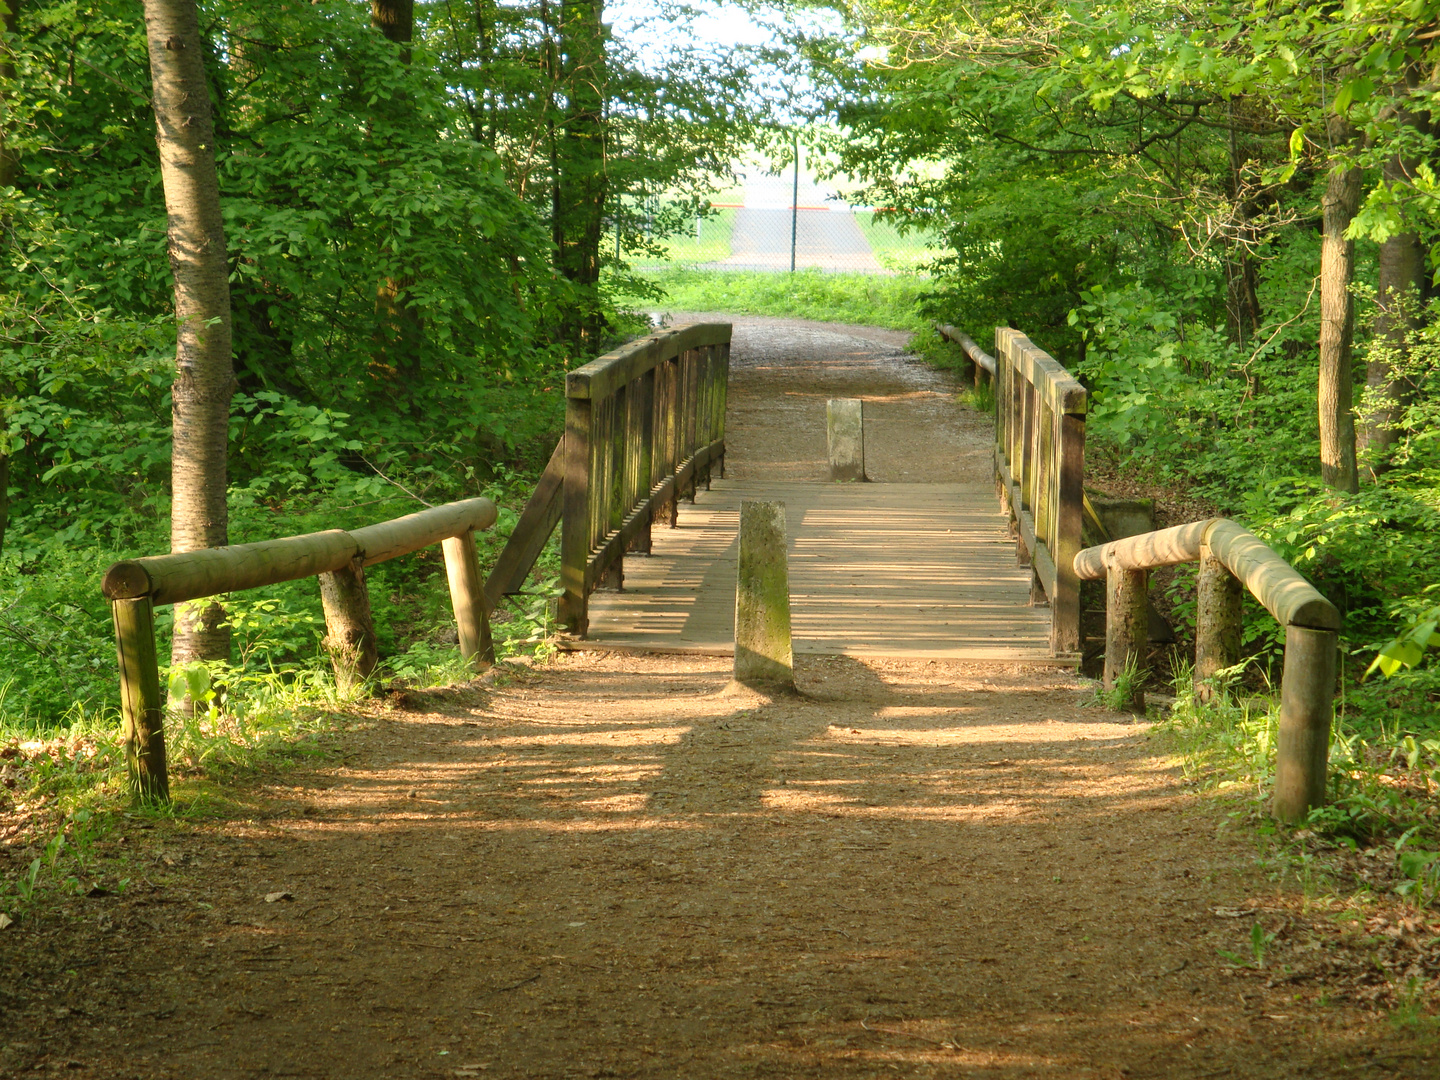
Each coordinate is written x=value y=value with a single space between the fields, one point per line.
x=905 y=570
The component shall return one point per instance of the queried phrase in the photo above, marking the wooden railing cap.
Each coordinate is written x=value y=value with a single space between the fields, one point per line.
x=1061 y=390
x=602 y=376
x=1271 y=580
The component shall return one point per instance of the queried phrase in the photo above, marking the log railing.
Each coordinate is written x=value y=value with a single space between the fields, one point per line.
x=338 y=558
x=643 y=426
x=982 y=364
x=1231 y=557
x=1039 y=473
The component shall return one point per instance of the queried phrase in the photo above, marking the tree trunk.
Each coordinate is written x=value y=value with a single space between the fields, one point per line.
x=204 y=379
x=1242 y=292
x=396 y=20
x=9 y=168
x=1337 y=322
x=582 y=175
x=1398 y=296
x=399 y=334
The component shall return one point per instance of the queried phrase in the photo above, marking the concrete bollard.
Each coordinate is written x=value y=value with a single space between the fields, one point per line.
x=845 y=435
x=763 y=657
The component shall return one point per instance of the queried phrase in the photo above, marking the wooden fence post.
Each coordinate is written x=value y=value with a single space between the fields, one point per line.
x=1307 y=699
x=575 y=518
x=141 y=704
x=763 y=656
x=1127 y=623
x=349 y=626
x=467 y=595
x=1218 y=610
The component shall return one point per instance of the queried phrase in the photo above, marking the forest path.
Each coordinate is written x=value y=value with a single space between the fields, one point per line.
x=617 y=866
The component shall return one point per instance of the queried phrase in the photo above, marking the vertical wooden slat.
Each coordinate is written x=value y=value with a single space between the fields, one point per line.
x=1045 y=446
x=670 y=511
x=576 y=524
x=722 y=402
x=1027 y=446
x=1069 y=520
x=644 y=405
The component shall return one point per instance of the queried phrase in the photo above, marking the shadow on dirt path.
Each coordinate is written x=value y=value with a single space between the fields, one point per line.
x=612 y=866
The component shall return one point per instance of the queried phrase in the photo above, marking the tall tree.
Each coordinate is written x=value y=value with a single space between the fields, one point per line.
x=581 y=177
x=9 y=162
x=399 y=331
x=1399 y=288
x=1337 y=320
x=204 y=377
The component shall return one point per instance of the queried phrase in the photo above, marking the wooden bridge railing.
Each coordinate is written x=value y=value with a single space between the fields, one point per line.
x=338 y=558
x=643 y=425
x=1039 y=467
x=1229 y=557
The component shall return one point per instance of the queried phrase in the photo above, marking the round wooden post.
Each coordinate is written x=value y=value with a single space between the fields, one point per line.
x=141 y=705
x=1307 y=699
x=467 y=595
x=1219 y=595
x=349 y=626
x=1127 y=624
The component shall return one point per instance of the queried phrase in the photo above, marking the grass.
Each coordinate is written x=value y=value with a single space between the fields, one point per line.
x=893 y=249
x=1384 y=781
x=711 y=245
x=862 y=299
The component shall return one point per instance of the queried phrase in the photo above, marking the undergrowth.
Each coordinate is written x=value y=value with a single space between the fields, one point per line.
x=1384 y=779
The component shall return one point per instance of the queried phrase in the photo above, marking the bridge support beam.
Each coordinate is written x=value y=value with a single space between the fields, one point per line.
x=764 y=659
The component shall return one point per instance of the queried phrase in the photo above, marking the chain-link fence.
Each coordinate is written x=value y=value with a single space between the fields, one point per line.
x=791 y=222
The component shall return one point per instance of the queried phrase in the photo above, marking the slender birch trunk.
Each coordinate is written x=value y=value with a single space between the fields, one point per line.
x=1337 y=322
x=204 y=377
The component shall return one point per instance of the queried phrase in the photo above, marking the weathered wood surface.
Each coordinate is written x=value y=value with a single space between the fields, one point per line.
x=875 y=570
x=1271 y=580
x=171 y=579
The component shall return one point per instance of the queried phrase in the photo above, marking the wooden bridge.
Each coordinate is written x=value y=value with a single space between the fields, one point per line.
x=977 y=567
x=877 y=569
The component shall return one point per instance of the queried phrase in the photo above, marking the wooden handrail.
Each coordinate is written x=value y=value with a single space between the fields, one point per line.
x=191 y=575
x=979 y=358
x=1230 y=556
x=642 y=425
x=338 y=558
x=1039 y=473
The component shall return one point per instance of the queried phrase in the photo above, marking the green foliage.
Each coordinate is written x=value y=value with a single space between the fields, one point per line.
x=866 y=299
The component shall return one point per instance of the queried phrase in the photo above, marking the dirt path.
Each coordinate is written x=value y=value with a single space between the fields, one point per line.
x=616 y=867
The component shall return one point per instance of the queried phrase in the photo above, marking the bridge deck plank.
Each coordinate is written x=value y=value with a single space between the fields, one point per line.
x=904 y=570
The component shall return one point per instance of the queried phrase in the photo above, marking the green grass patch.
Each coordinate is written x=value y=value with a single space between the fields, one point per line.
x=709 y=243
x=864 y=299
x=895 y=250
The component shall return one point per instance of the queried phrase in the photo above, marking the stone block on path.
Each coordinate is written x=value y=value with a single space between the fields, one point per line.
x=845 y=434
x=763 y=656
